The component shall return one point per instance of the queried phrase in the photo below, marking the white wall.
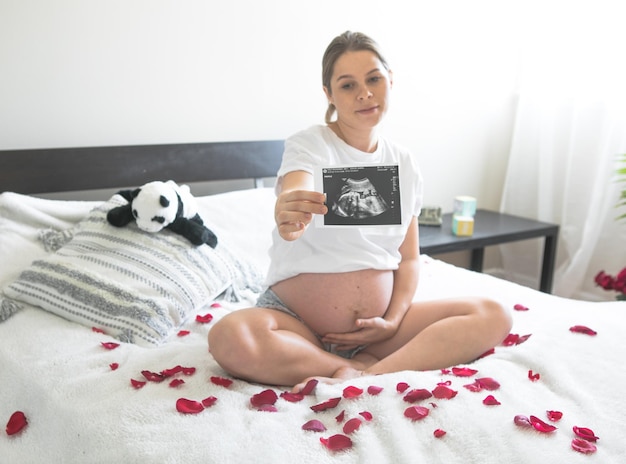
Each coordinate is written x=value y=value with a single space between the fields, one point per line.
x=113 y=72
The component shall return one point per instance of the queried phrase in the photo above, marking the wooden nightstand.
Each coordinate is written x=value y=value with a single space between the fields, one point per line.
x=491 y=228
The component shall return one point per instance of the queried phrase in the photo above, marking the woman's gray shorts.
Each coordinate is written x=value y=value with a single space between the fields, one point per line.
x=269 y=299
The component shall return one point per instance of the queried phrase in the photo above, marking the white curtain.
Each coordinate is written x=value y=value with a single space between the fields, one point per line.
x=570 y=126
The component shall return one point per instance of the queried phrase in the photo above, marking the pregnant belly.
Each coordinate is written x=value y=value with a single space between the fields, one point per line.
x=331 y=303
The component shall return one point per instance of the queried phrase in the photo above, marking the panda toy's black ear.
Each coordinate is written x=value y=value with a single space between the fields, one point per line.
x=120 y=216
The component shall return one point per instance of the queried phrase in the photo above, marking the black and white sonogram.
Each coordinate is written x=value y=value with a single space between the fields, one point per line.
x=362 y=195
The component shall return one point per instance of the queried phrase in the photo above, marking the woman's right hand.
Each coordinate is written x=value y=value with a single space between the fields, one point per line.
x=294 y=211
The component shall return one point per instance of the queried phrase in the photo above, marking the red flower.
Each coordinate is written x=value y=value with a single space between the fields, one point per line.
x=610 y=283
x=16 y=423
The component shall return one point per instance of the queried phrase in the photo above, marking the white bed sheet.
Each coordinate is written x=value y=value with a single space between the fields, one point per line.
x=80 y=410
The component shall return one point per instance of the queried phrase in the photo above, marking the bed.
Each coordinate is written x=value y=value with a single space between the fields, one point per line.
x=94 y=387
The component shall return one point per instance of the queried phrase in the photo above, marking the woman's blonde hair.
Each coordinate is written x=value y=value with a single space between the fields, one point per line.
x=346 y=42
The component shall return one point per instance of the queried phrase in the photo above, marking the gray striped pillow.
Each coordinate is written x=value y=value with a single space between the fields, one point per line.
x=136 y=286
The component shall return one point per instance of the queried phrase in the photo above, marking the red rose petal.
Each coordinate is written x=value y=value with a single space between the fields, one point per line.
x=488 y=383
x=114 y=366
x=314 y=426
x=474 y=387
x=541 y=426
x=110 y=345
x=337 y=442
x=328 y=404
x=523 y=338
x=585 y=433
x=309 y=387
x=153 y=376
x=583 y=329
x=183 y=333
x=554 y=416
x=16 y=423
x=416 y=412
x=522 y=421
x=292 y=397
x=204 y=319
x=267 y=408
x=266 y=397
x=438 y=433
x=533 y=377
x=209 y=401
x=520 y=307
x=366 y=415
x=340 y=417
x=221 y=381
x=510 y=340
x=352 y=425
x=490 y=400
x=401 y=387
x=352 y=392
x=417 y=394
x=137 y=383
x=216 y=305
x=176 y=382
x=443 y=392
x=374 y=390
x=463 y=371
x=583 y=446
x=187 y=406
x=97 y=330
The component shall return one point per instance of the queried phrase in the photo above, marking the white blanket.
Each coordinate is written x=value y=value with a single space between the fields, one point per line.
x=81 y=410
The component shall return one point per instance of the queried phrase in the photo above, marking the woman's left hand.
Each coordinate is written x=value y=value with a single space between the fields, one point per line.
x=372 y=330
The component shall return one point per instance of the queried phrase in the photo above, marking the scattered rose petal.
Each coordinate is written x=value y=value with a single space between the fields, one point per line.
x=523 y=338
x=221 y=381
x=522 y=421
x=114 y=366
x=267 y=408
x=510 y=340
x=401 y=387
x=554 y=416
x=340 y=417
x=187 y=406
x=490 y=400
x=314 y=426
x=352 y=392
x=374 y=390
x=583 y=446
x=439 y=433
x=443 y=392
x=183 y=333
x=204 y=319
x=541 y=426
x=153 y=376
x=533 y=377
x=585 y=433
x=268 y=396
x=417 y=394
x=337 y=442
x=97 y=330
x=474 y=387
x=176 y=382
x=583 y=329
x=366 y=415
x=309 y=387
x=328 y=404
x=16 y=423
x=137 y=383
x=292 y=397
x=416 y=412
x=216 y=305
x=488 y=383
x=110 y=345
x=520 y=307
x=463 y=371
x=352 y=425
x=209 y=401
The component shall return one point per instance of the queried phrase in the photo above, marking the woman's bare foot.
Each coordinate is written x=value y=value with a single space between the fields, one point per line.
x=362 y=362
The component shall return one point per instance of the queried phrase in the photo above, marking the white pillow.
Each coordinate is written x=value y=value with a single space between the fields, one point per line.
x=136 y=286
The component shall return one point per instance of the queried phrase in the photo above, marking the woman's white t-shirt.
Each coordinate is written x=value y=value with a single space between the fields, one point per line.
x=330 y=250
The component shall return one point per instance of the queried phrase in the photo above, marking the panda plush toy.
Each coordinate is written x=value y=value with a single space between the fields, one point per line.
x=157 y=205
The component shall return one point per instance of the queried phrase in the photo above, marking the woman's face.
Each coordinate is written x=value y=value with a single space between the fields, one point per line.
x=359 y=90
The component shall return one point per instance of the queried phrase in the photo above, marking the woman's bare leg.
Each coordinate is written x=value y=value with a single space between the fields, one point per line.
x=268 y=346
x=435 y=335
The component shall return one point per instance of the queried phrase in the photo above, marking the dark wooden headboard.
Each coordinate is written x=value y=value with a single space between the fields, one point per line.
x=68 y=169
